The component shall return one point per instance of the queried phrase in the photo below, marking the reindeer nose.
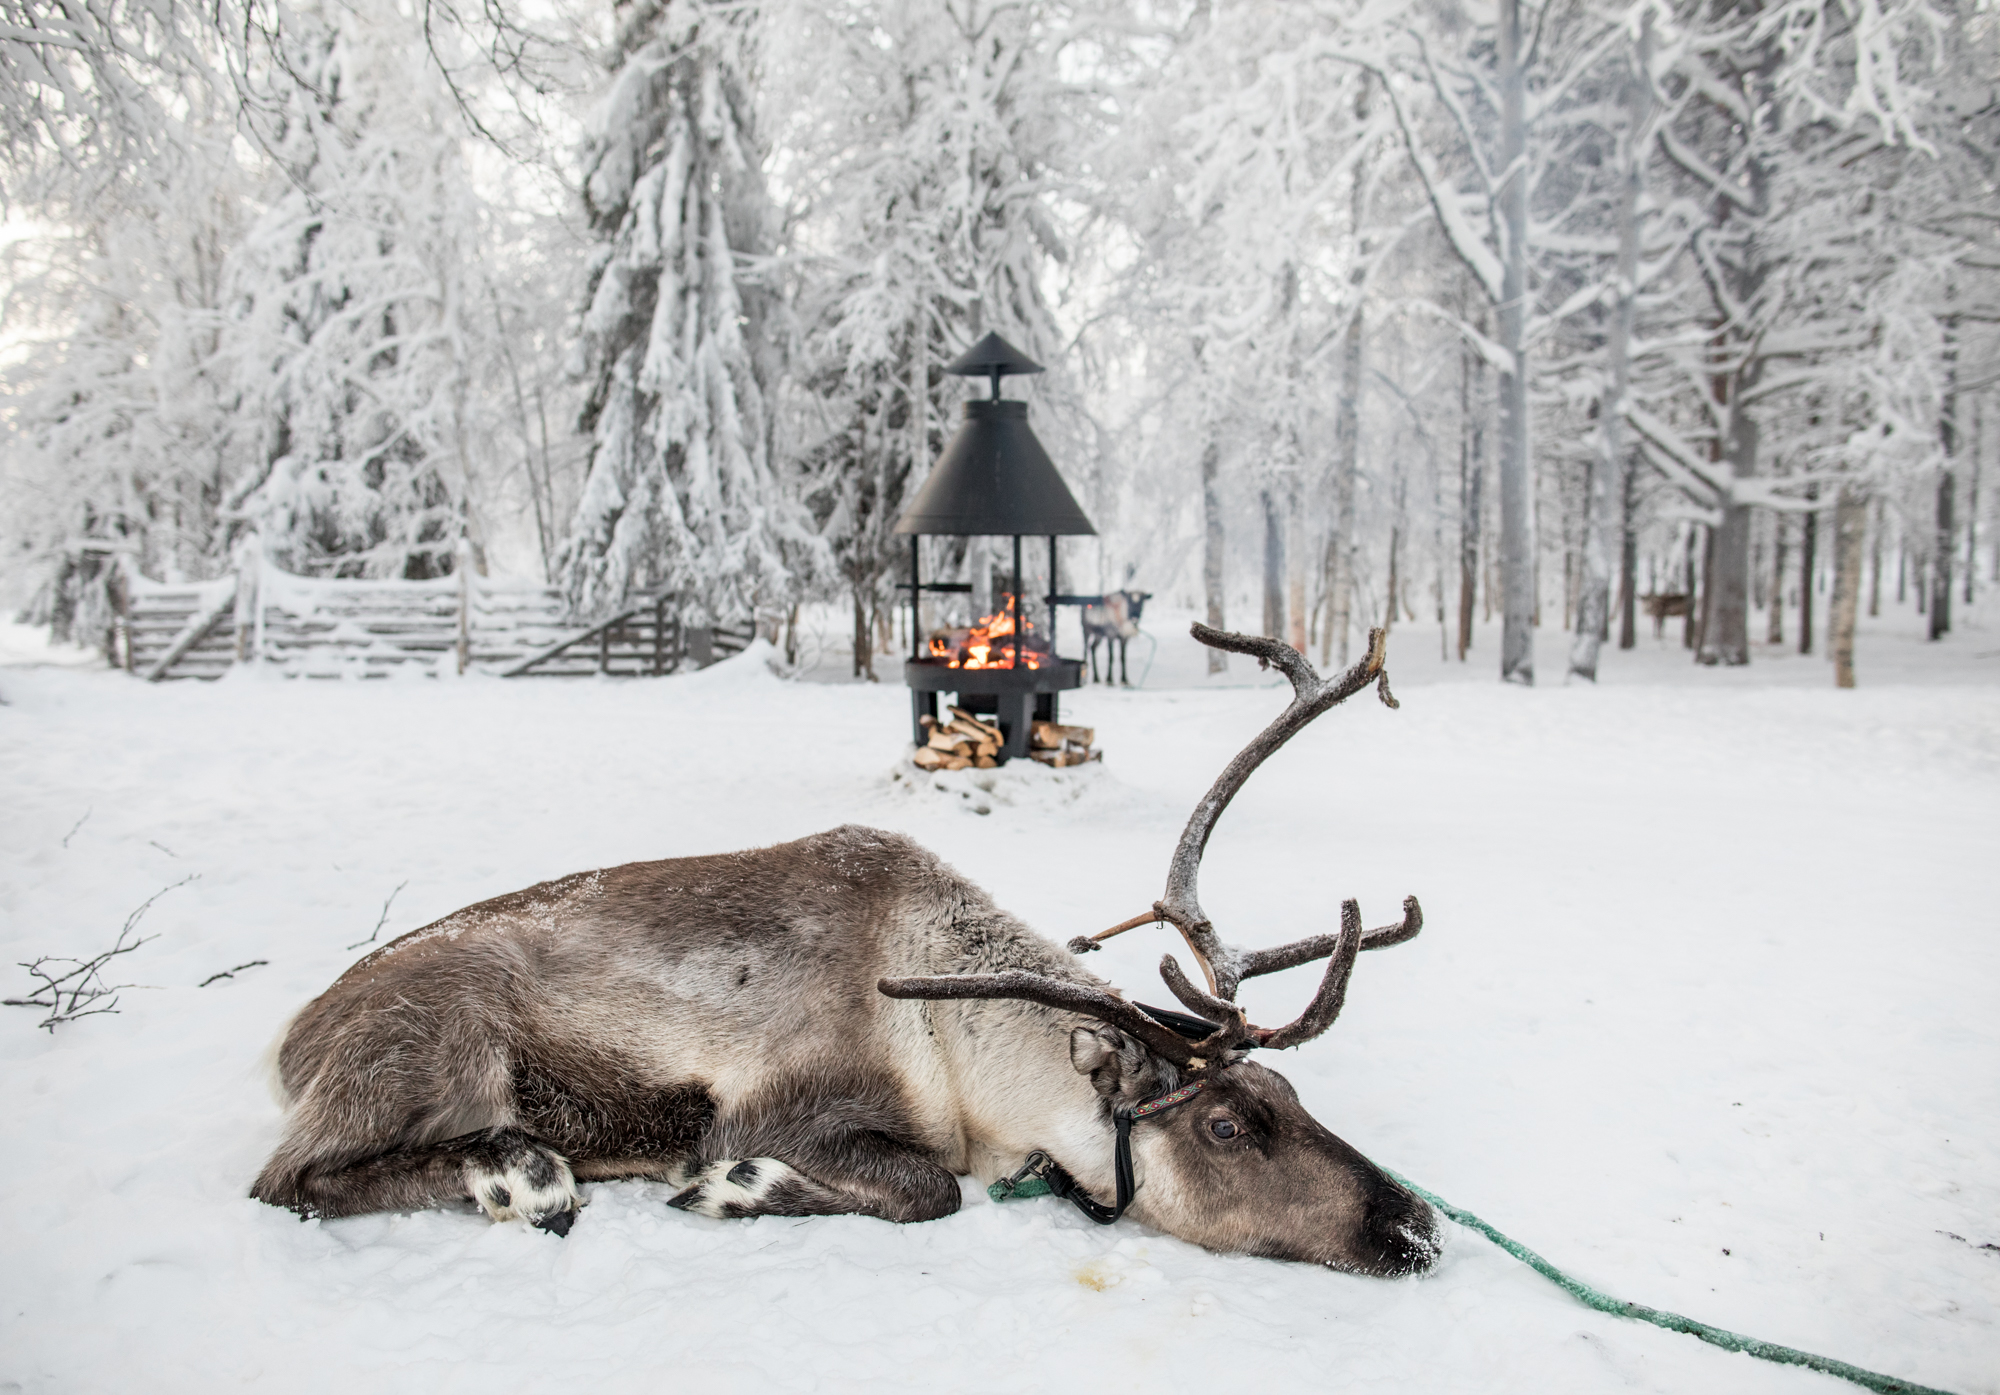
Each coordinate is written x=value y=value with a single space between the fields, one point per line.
x=1401 y=1232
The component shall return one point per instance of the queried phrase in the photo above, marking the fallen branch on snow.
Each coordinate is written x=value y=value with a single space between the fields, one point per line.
x=232 y=973
x=80 y=990
x=382 y=919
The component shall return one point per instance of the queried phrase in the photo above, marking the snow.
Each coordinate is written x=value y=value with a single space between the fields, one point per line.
x=1703 y=1012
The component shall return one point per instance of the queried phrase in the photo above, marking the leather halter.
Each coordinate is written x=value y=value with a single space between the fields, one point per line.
x=1057 y=1179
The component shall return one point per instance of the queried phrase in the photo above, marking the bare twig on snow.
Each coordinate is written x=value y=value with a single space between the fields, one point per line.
x=383 y=919
x=232 y=973
x=80 y=989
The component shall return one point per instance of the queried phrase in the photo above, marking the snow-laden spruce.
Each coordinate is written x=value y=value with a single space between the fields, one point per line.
x=679 y=339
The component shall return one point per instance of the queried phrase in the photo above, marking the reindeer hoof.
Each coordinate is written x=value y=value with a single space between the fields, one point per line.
x=515 y=1177
x=556 y=1222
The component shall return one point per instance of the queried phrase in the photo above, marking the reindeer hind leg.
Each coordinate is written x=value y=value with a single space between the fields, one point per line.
x=510 y=1174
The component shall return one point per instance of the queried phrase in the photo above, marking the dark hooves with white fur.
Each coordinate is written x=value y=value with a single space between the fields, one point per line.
x=556 y=1222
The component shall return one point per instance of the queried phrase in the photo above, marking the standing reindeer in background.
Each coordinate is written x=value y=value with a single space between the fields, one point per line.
x=1112 y=620
x=837 y=1025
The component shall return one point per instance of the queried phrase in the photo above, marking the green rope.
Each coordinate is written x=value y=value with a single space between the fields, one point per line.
x=1604 y=1303
x=1673 y=1322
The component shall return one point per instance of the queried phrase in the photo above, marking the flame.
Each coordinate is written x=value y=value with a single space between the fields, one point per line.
x=990 y=644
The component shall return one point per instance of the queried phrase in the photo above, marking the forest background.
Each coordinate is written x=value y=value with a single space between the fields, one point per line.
x=1354 y=313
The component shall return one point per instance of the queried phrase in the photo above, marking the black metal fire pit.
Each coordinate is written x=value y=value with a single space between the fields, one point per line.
x=1017 y=697
x=994 y=479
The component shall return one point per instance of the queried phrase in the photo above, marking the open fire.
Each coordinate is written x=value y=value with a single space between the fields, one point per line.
x=991 y=643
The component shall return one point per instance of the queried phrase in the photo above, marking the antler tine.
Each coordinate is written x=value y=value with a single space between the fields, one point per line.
x=1231 y=1026
x=1270 y=961
x=1311 y=695
x=1050 y=992
x=1385 y=935
x=1332 y=995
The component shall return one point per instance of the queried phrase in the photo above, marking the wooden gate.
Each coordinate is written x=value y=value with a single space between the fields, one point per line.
x=311 y=627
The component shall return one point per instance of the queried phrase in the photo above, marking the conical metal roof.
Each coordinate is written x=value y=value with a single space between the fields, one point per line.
x=992 y=357
x=994 y=477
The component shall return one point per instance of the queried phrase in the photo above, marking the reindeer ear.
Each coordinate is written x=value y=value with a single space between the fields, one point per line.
x=1094 y=1051
x=1106 y=1055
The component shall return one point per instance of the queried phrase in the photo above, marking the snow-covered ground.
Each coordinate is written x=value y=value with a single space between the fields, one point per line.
x=1704 y=1010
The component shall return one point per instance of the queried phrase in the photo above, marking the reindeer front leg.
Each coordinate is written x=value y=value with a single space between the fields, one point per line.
x=832 y=1173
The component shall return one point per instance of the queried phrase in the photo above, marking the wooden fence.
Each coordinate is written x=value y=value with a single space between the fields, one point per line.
x=309 y=627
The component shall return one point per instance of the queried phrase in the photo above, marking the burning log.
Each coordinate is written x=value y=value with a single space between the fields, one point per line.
x=992 y=643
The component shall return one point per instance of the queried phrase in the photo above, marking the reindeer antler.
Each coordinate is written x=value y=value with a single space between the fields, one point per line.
x=1051 y=992
x=1224 y=966
x=1311 y=695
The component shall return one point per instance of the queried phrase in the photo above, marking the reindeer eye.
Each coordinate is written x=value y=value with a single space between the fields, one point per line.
x=1222 y=1128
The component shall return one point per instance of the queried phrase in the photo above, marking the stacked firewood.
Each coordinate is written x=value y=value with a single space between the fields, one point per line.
x=1058 y=745
x=968 y=741
x=963 y=741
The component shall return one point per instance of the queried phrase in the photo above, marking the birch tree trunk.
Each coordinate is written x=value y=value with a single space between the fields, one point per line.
x=1972 y=509
x=1347 y=420
x=1725 y=597
x=1471 y=469
x=1774 y=632
x=1875 y=565
x=1347 y=451
x=1947 y=488
x=1274 y=569
x=1808 y=560
x=1395 y=544
x=1593 y=611
x=1295 y=567
x=1211 y=556
x=1517 y=522
x=1628 y=558
x=1850 y=524
x=1973 y=506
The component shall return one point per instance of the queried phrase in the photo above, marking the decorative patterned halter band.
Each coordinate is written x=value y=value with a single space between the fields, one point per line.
x=1042 y=1173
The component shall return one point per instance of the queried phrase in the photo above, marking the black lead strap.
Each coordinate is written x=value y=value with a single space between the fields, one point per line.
x=1058 y=1180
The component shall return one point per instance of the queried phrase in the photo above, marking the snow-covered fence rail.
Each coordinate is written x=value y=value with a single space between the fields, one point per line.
x=179 y=628
x=311 y=627
x=325 y=628
x=646 y=640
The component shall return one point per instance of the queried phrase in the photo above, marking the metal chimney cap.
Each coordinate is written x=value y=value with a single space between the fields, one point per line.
x=995 y=479
x=992 y=357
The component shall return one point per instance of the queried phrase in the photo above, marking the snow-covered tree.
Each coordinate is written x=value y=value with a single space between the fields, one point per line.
x=681 y=341
x=356 y=307
x=1247 y=177
x=133 y=193
x=1772 y=104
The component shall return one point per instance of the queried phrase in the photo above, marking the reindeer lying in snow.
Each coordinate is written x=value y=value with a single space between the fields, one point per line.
x=840 y=1024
